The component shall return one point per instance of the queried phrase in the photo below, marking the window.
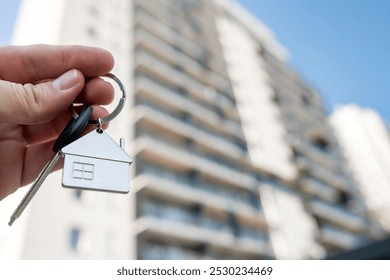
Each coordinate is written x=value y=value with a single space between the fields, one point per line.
x=254 y=200
x=320 y=143
x=92 y=32
x=305 y=100
x=185 y=117
x=193 y=174
x=195 y=25
x=344 y=198
x=74 y=239
x=275 y=98
x=78 y=194
x=319 y=222
x=182 y=91
x=204 y=58
x=233 y=224
x=261 y=51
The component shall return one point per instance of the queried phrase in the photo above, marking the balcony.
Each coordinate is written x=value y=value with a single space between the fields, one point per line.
x=305 y=127
x=288 y=84
x=173 y=56
x=182 y=160
x=185 y=129
x=293 y=125
x=324 y=158
x=164 y=32
x=167 y=252
x=319 y=189
x=167 y=73
x=166 y=15
x=335 y=237
x=332 y=178
x=338 y=216
x=147 y=88
x=192 y=235
x=305 y=115
x=177 y=77
x=181 y=190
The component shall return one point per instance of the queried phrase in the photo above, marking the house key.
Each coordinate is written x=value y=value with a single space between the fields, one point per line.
x=71 y=132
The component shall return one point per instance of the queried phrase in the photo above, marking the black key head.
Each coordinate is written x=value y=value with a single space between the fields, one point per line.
x=73 y=129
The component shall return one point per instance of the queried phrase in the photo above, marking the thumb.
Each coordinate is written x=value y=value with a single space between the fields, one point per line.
x=33 y=104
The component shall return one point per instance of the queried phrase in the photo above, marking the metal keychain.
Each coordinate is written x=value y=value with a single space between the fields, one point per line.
x=96 y=161
x=118 y=108
x=93 y=162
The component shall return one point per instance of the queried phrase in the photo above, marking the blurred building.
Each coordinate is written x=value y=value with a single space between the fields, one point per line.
x=364 y=138
x=233 y=155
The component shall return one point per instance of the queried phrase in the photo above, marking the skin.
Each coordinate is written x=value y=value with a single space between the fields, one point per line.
x=33 y=111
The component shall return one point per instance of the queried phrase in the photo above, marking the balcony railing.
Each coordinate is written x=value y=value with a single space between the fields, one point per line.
x=165 y=13
x=338 y=215
x=187 y=130
x=327 y=159
x=161 y=30
x=173 y=56
x=191 y=193
x=337 y=238
x=332 y=178
x=194 y=235
x=170 y=98
x=167 y=252
x=319 y=189
x=181 y=159
x=288 y=85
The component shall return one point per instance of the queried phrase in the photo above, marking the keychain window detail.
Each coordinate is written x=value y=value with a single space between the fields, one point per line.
x=83 y=171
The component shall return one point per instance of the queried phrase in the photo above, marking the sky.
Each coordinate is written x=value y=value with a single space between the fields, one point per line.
x=340 y=47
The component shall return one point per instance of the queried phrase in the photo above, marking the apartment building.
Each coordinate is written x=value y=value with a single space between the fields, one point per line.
x=233 y=155
x=364 y=138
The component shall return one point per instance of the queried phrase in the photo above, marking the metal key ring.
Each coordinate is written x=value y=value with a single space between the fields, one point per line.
x=118 y=108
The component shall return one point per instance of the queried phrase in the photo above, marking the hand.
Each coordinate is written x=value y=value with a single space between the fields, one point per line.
x=38 y=84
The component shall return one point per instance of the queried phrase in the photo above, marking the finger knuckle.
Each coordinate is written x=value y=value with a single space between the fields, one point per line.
x=34 y=100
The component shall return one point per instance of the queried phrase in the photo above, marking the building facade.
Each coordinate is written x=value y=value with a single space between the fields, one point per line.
x=364 y=137
x=233 y=155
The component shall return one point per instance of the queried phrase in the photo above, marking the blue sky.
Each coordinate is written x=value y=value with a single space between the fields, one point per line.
x=341 y=47
x=8 y=10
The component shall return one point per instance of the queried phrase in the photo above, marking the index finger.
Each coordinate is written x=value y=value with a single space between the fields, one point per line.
x=29 y=64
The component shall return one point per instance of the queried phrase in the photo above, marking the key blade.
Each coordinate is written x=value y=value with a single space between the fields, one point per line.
x=34 y=188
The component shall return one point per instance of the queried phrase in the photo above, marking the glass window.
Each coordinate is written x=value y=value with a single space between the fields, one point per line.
x=92 y=32
x=74 y=238
x=305 y=100
x=320 y=143
x=78 y=194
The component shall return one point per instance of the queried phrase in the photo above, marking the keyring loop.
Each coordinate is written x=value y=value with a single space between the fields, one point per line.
x=118 y=108
x=100 y=124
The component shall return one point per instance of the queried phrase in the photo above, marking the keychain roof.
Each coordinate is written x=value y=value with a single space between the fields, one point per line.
x=97 y=146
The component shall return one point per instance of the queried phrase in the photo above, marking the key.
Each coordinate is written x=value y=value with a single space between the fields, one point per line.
x=71 y=132
x=34 y=188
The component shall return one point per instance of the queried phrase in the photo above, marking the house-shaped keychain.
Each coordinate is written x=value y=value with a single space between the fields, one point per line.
x=96 y=162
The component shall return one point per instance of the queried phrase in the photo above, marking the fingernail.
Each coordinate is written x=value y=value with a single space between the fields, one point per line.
x=66 y=80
